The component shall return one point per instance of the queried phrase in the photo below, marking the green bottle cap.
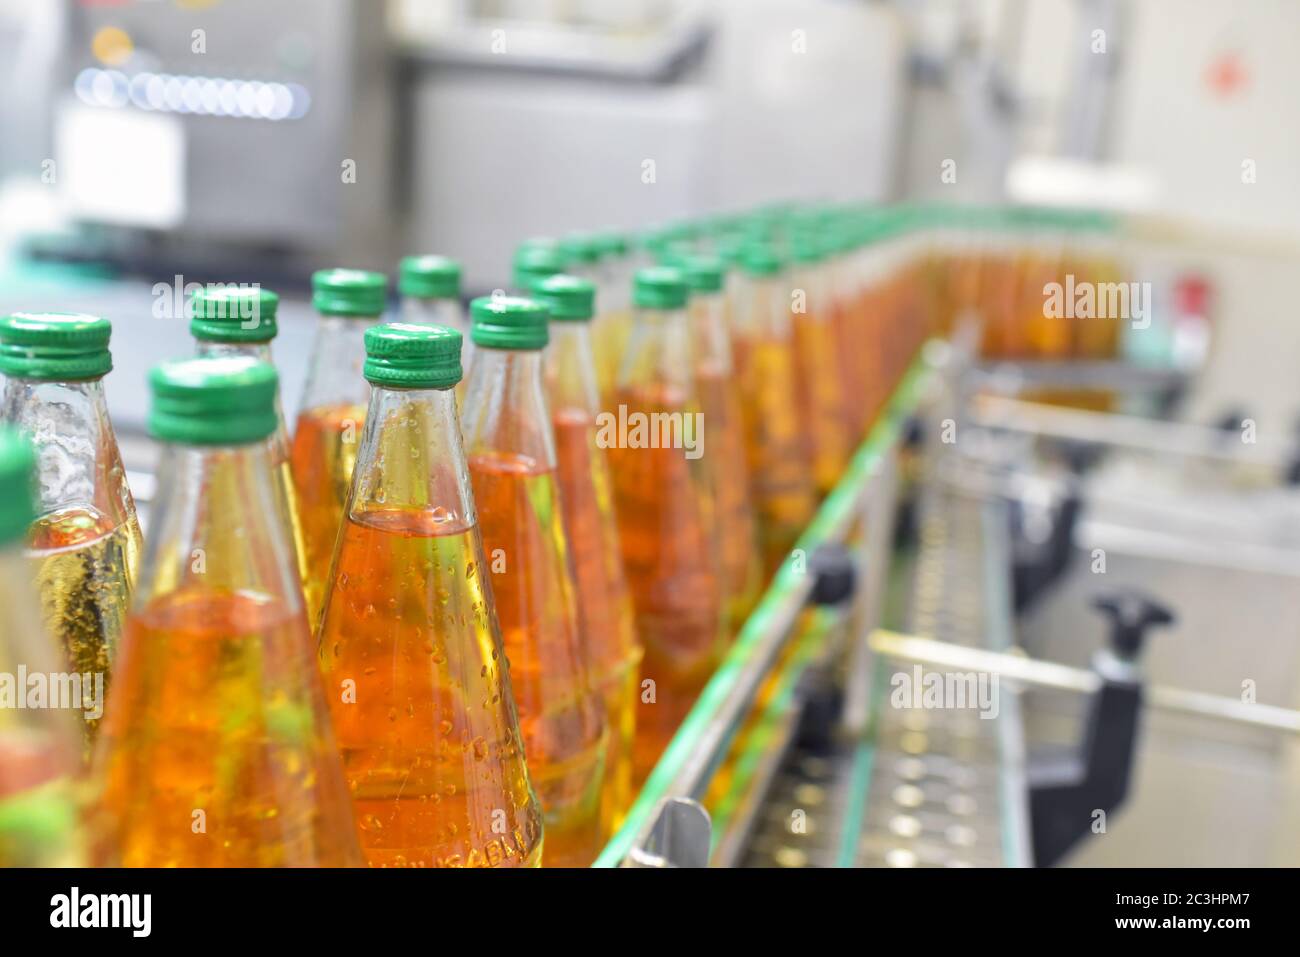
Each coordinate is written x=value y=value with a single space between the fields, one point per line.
x=225 y=400
x=61 y=346
x=674 y=254
x=581 y=248
x=401 y=355
x=429 y=277
x=348 y=292
x=234 y=314
x=655 y=238
x=807 y=248
x=729 y=250
x=18 y=479
x=838 y=237
x=566 y=298
x=508 y=322
x=536 y=262
x=705 y=273
x=660 y=287
x=760 y=259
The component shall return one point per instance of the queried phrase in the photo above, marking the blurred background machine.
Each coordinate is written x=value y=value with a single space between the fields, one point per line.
x=163 y=117
x=133 y=145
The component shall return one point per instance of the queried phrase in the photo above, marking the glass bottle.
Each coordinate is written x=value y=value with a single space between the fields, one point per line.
x=613 y=323
x=410 y=648
x=512 y=465
x=430 y=291
x=874 y=270
x=39 y=745
x=821 y=399
x=217 y=749
x=665 y=511
x=775 y=436
x=841 y=284
x=331 y=415
x=86 y=537
x=587 y=503
x=584 y=257
x=237 y=321
x=715 y=376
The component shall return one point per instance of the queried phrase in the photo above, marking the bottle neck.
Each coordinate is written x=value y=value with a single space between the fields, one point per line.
x=614 y=297
x=505 y=406
x=763 y=308
x=570 y=368
x=261 y=351
x=841 y=281
x=216 y=527
x=711 y=333
x=590 y=271
x=435 y=312
x=809 y=283
x=78 y=462
x=411 y=459
x=659 y=353
x=334 y=377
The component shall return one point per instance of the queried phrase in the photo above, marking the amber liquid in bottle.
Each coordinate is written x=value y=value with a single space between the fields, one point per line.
x=512 y=469
x=852 y=388
x=1048 y=336
x=774 y=441
x=666 y=528
x=587 y=505
x=325 y=442
x=741 y=567
x=323 y=455
x=560 y=717
x=430 y=745
x=85 y=570
x=610 y=333
x=86 y=543
x=817 y=376
x=586 y=496
x=411 y=652
x=216 y=750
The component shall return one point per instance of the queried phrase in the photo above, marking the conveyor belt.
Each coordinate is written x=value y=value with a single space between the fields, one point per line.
x=939 y=787
x=936 y=796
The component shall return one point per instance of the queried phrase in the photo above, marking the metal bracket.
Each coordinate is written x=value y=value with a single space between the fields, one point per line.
x=679 y=837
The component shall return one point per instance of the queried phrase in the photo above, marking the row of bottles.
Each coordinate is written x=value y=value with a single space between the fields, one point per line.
x=516 y=581
x=1042 y=280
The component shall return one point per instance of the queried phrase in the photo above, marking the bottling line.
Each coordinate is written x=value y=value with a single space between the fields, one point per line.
x=1043 y=615
x=991 y=559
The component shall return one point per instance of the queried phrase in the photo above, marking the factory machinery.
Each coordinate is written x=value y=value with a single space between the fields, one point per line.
x=944 y=676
